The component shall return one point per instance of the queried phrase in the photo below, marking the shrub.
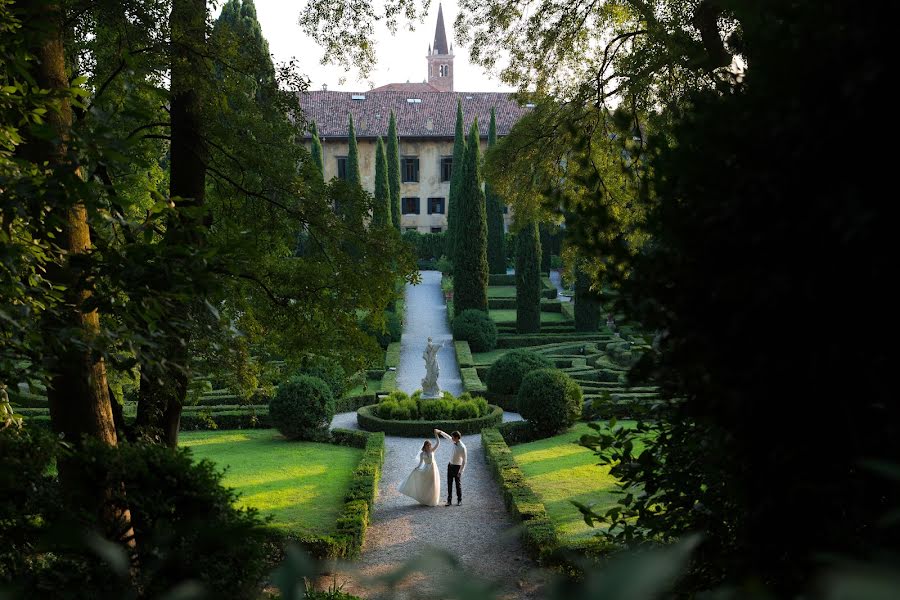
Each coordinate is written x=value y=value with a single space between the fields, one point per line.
x=386 y=408
x=328 y=370
x=465 y=410
x=477 y=328
x=549 y=400
x=187 y=524
x=302 y=408
x=370 y=421
x=505 y=375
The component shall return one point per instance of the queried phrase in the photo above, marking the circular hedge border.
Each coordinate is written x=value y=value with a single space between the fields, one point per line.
x=369 y=422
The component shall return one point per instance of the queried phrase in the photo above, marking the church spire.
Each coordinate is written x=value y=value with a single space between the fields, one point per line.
x=440 y=58
x=440 y=35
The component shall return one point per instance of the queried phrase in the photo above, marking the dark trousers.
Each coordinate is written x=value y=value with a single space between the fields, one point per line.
x=453 y=475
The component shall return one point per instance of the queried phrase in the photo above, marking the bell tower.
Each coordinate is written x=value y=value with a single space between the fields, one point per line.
x=440 y=58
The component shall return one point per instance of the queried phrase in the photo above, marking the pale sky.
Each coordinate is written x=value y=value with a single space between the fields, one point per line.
x=401 y=57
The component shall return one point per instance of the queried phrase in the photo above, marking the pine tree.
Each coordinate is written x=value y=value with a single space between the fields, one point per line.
x=393 y=166
x=352 y=156
x=316 y=149
x=528 y=279
x=470 y=269
x=381 y=213
x=456 y=177
x=494 y=208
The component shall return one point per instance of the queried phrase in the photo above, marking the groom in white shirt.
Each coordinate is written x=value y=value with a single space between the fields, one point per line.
x=455 y=468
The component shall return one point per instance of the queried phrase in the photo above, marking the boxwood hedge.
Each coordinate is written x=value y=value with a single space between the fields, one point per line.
x=367 y=420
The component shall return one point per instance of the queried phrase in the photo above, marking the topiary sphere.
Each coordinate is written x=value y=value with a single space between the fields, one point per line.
x=550 y=401
x=505 y=375
x=302 y=408
x=477 y=328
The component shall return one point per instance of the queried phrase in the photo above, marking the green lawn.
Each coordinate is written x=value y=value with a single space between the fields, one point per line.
x=560 y=470
x=301 y=484
x=374 y=385
x=501 y=291
x=509 y=316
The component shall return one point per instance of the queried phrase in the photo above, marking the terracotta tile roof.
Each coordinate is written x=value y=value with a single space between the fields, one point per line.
x=433 y=117
x=406 y=87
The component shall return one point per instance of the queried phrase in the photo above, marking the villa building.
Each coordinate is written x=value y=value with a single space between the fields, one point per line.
x=426 y=121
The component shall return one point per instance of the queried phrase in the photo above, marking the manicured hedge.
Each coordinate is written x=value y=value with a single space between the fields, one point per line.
x=353 y=520
x=351 y=403
x=392 y=355
x=502 y=303
x=501 y=279
x=539 y=339
x=389 y=381
x=471 y=382
x=367 y=420
x=463 y=354
x=508 y=402
x=538 y=534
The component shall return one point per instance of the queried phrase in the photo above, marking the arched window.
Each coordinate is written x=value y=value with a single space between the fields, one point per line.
x=445 y=70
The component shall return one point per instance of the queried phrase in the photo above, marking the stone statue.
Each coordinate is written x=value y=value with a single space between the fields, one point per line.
x=429 y=384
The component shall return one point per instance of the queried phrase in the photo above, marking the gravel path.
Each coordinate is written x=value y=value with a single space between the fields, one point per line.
x=478 y=534
x=426 y=316
x=556 y=280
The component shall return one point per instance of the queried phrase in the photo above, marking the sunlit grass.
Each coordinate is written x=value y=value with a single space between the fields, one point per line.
x=559 y=470
x=509 y=316
x=301 y=484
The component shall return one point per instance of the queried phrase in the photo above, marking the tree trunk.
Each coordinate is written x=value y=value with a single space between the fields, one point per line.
x=78 y=393
x=164 y=388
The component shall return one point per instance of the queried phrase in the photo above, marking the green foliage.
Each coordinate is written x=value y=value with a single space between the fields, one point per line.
x=463 y=353
x=476 y=328
x=428 y=246
x=528 y=279
x=316 y=149
x=470 y=270
x=496 y=251
x=328 y=370
x=400 y=407
x=186 y=523
x=549 y=400
x=393 y=165
x=506 y=374
x=381 y=215
x=457 y=176
x=538 y=534
x=587 y=302
x=302 y=408
x=353 y=175
x=370 y=421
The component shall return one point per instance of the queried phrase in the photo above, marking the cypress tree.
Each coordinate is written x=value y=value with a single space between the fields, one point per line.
x=353 y=156
x=470 y=269
x=587 y=302
x=456 y=177
x=381 y=213
x=316 y=149
x=494 y=208
x=393 y=170
x=528 y=279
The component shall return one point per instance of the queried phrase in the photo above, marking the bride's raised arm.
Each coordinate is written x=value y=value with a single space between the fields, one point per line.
x=437 y=439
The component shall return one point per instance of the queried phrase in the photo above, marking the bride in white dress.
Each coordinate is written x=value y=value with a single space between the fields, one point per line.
x=424 y=484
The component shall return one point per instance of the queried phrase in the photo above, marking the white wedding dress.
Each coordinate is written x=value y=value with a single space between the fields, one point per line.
x=424 y=484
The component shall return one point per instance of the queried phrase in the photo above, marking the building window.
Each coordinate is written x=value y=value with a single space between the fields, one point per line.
x=446 y=168
x=445 y=70
x=410 y=206
x=436 y=229
x=435 y=206
x=409 y=169
x=342 y=167
x=411 y=229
